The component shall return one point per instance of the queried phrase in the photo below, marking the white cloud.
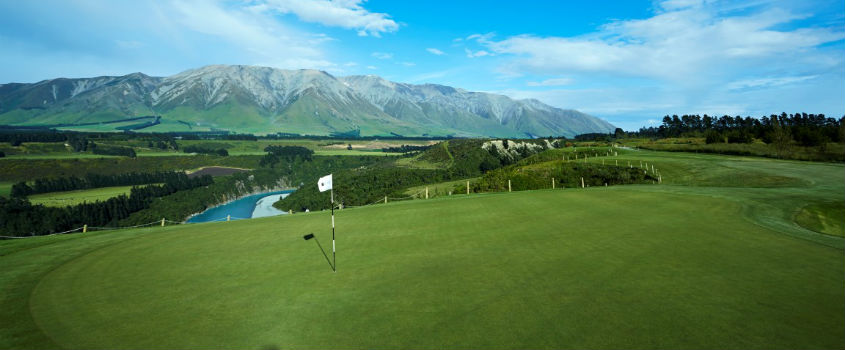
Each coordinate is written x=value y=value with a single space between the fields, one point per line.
x=372 y=67
x=257 y=33
x=551 y=82
x=382 y=55
x=688 y=43
x=479 y=53
x=435 y=51
x=339 y=13
x=767 y=82
x=481 y=38
x=408 y=64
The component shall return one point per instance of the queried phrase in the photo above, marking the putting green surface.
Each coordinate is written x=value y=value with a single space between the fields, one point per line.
x=647 y=266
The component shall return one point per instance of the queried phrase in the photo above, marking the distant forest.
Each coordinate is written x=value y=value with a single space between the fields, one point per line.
x=19 y=217
x=805 y=129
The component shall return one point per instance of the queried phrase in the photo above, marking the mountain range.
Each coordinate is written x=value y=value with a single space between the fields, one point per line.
x=267 y=100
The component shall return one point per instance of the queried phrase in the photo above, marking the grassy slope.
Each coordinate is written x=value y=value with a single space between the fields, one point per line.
x=5 y=188
x=61 y=199
x=618 y=267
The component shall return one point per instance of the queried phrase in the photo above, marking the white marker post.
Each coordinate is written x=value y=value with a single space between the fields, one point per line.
x=325 y=183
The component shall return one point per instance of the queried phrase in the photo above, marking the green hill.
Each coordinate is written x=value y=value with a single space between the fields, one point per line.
x=720 y=264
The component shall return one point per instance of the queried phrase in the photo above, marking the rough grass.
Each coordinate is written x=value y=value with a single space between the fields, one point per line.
x=646 y=266
x=438 y=189
x=61 y=199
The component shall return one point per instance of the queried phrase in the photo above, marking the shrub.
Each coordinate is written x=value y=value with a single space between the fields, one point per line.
x=714 y=136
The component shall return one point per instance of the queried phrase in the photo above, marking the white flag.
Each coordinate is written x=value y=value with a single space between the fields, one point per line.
x=325 y=183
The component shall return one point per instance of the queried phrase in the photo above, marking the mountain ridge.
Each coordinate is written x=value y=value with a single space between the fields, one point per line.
x=267 y=100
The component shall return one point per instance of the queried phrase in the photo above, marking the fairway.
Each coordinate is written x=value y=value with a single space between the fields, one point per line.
x=60 y=199
x=642 y=266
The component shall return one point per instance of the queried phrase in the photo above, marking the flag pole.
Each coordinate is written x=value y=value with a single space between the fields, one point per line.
x=334 y=260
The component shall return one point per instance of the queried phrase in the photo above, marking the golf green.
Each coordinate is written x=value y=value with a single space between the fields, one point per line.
x=646 y=266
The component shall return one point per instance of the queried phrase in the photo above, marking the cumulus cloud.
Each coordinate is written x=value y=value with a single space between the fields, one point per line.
x=267 y=40
x=686 y=40
x=338 y=13
x=435 y=51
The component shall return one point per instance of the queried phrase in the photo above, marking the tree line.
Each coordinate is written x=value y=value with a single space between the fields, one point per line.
x=278 y=154
x=113 y=151
x=405 y=149
x=71 y=183
x=805 y=129
x=204 y=150
x=19 y=217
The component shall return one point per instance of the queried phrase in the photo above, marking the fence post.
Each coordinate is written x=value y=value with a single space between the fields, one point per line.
x=162 y=222
x=290 y=211
x=467 y=187
x=385 y=199
x=509 y=185
x=84 y=228
x=553 y=183
x=228 y=217
x=582 y=182
x=426 y=192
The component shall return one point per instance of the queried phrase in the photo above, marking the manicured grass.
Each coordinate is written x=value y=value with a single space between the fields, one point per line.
x=828 y=218
x=697 y=262
x=6 y=188
x=61 y=199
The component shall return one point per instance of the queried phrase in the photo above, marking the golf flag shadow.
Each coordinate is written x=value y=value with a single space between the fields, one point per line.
x=310 y=236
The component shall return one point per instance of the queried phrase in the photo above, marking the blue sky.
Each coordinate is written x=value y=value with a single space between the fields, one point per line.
x=629 y=62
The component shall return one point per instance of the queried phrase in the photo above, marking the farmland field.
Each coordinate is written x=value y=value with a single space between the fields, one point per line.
x=57 y=150
x=711 y=258
x=60 y=199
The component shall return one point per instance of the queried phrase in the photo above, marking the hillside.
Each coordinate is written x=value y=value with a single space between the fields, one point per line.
x=265 y=100
x=617 y=267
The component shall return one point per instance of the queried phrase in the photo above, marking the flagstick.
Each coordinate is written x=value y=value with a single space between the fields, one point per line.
x=334 y=259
